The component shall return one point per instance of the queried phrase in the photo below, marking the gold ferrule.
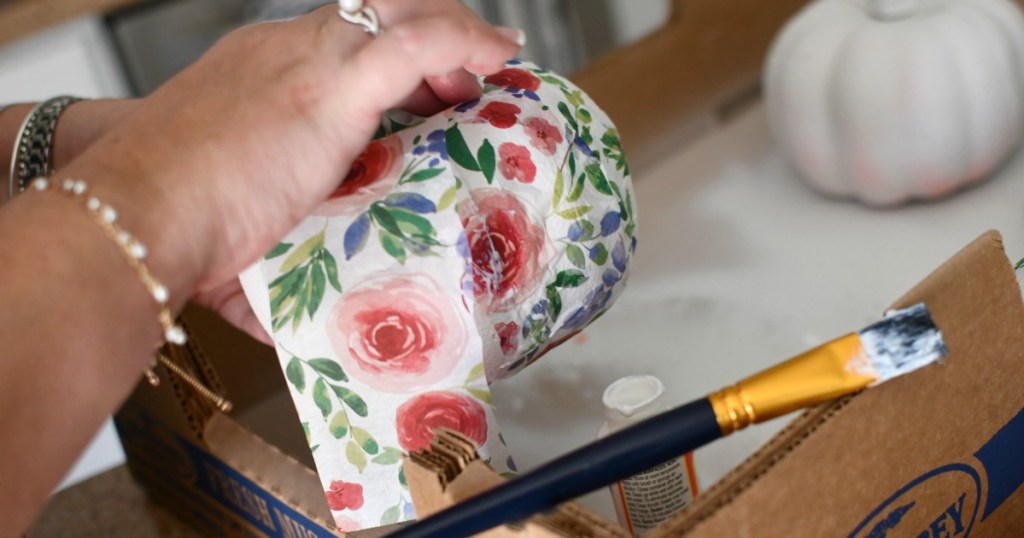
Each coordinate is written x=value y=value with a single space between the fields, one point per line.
x=821 y=374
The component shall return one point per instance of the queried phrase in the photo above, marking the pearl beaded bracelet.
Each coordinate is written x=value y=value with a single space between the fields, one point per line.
x=133 y=251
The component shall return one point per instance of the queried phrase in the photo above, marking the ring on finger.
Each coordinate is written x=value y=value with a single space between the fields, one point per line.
x=358 y=13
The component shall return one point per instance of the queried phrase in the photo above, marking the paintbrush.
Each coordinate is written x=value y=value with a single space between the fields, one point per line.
x=903 y=341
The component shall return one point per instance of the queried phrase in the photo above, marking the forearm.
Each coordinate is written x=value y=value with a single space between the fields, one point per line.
x=78 y=328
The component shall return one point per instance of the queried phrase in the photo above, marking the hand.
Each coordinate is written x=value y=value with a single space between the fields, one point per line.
x=237 y=149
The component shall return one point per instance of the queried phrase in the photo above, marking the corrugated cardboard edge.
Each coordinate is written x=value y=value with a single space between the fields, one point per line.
x=272 y=469
x=754 y=467
x=782 y=444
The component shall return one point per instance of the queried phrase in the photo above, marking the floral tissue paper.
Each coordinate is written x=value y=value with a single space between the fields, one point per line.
x=457 y=251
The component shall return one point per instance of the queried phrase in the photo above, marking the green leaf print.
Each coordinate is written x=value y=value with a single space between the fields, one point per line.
x=388 y=456
x=424 y=175
x=328 y=368
x=459 y=151
x=599 y=254
x=279 y=250
x=355 y=456
x=303 y=252
x=392 y=245
x=570 y=278
x=296 y=376
x=576 y=256
x=331 y=265
x=476 y=373
x=613 y=150
x=321 y=397
x=448 y=198
x=556 y=197
x=365 y=440
x=598 y=179
x=574 y=213
x=587 y=230
x=487 y=160
x=554 y=301
x=351 y=399
x=390 y=516
x=338 y=426
x=568 y=115
x=317 y=288
x=412 y=225
x=383 y=217
x=296 y=311
x=583 y=115
x=552 y=80
x=577 y=189
x=300 y=288
x=479 y=394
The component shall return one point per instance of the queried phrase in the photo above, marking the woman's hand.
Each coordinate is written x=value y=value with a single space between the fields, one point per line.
x=237 y=149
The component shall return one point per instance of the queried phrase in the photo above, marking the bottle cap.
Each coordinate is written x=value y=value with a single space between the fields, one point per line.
x=632 y=397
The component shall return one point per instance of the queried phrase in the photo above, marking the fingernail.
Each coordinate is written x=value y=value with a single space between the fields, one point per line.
x=515 y=35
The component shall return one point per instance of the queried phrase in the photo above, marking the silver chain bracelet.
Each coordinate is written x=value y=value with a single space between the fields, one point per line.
x=34 y=145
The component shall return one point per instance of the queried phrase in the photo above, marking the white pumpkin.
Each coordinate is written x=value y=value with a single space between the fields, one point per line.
x=891 y=100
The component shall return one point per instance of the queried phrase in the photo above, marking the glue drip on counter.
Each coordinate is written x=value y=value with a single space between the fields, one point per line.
x=458 y=250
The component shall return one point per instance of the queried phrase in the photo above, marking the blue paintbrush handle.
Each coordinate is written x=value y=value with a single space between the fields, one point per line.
x=603 y=462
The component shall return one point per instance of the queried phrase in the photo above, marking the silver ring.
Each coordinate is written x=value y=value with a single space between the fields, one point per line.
x=356 y=12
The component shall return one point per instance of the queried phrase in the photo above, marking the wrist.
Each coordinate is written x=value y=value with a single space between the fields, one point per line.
x=78 y=127
x=83 y=123
x=152 y=210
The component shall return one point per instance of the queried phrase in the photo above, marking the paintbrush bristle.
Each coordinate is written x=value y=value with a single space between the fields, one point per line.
x=904 y=341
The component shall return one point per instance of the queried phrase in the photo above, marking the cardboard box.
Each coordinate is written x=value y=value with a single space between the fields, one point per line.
x=939 y=453
x=249 y=474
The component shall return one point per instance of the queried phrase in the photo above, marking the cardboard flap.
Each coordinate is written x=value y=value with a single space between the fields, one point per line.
x=268 y=466
x=908 y=456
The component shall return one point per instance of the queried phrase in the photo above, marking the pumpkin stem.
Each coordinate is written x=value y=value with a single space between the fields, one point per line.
x=891 y=10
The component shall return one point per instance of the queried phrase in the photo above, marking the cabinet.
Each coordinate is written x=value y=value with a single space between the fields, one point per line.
x=74 y=58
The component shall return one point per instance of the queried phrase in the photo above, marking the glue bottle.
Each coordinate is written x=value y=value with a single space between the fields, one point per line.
x=645 y=500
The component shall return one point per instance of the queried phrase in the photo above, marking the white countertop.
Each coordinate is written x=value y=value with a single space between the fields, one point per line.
x=740 y=265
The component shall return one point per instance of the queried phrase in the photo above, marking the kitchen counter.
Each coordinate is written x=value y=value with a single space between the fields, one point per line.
x=740 y=265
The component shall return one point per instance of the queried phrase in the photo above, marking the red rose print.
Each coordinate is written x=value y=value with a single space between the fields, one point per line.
x=543 y=135
x=373 y=174
x=344 y=495
x=514 y=78
x=500 y=115
x=509 y=249
x=397 y=334
x=508 y=333
x=515 y=163
x=417 y=418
